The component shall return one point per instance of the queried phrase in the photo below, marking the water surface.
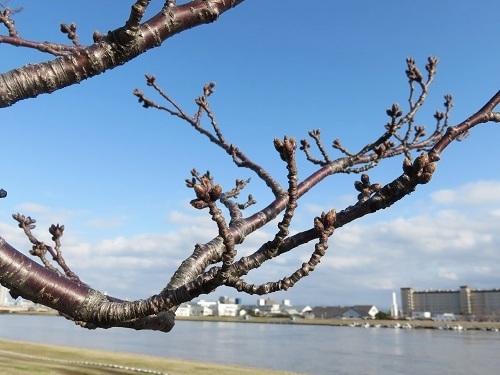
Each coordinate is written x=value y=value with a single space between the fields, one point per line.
x=293 y=347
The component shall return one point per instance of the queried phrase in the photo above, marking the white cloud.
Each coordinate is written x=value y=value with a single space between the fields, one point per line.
x=495 y=212
x=483 y=270
x=447 y=274
x=475 y=193
x=13 y=235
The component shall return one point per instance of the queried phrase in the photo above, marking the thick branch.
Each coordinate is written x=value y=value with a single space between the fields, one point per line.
x=32 y=281
x=109 y=52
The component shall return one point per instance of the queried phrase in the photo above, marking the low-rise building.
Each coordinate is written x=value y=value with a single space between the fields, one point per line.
x=444 y=317
x=422 y=315
x=209 y=308
x=201 y=310
x=227 y=309
x=184 y=309
x=301 y=310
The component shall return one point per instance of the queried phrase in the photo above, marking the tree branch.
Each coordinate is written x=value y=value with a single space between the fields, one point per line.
x=110 y=51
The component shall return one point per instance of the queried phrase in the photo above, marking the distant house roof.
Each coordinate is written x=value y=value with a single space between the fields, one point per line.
x=329 y=312
x=364 y=310
x=339 y=312
x=296 y=310
x=303 y=308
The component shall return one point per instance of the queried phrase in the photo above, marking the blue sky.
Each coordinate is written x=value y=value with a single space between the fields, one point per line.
x=91 y=158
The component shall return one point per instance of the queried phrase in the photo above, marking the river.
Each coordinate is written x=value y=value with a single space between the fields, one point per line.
x=292 y=347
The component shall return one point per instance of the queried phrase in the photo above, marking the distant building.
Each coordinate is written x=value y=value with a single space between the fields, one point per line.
x=224 y=299
x=209 y=304
x=266 y=302
x=227 y=309
x=345 y=312
x=301 y=310
x=465 y=301
x=183 y=310
x=446 y=317
x=269 y=307
x=201 y=310
x=423 y=315
x=224 y=307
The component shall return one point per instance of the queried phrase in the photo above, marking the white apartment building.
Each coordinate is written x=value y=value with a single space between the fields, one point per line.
x=465 y=301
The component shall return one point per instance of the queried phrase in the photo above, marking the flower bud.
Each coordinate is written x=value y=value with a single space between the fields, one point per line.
x=407 y=166
x=278 y=145
x=318 y=225
x=289 y=145
x=424 y=178
x=358 y=186
x=198 y=204
x=430 y=168
x=200 y=190
x=215 y=193
x=329 y=218
x=420 y=162
x=365 y=179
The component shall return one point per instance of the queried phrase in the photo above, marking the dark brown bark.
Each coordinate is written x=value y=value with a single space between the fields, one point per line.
x=28 y=279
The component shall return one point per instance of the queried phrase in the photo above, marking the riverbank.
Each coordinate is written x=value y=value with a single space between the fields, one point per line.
x=419 y=324
x=22 y=358
x=369 y=323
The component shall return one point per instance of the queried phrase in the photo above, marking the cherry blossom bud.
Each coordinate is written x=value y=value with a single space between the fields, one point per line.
x=215 y=193
x=424 y=178
x=365 y=179
x=407 y=166
x=200 y=190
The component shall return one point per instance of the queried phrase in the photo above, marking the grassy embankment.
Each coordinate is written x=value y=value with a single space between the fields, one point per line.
x=21 y=358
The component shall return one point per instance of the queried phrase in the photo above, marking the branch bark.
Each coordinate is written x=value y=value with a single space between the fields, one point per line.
x=115 y=49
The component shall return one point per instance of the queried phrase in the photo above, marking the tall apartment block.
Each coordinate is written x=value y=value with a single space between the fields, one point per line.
x=465 y=301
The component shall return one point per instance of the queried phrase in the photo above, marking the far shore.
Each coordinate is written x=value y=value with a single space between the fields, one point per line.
x=386 y=323
x=428 y=324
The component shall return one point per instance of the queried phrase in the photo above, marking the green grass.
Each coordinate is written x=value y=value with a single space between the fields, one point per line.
x=22 y=358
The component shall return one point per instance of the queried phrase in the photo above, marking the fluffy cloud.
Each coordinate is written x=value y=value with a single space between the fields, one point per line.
x=475 y=193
